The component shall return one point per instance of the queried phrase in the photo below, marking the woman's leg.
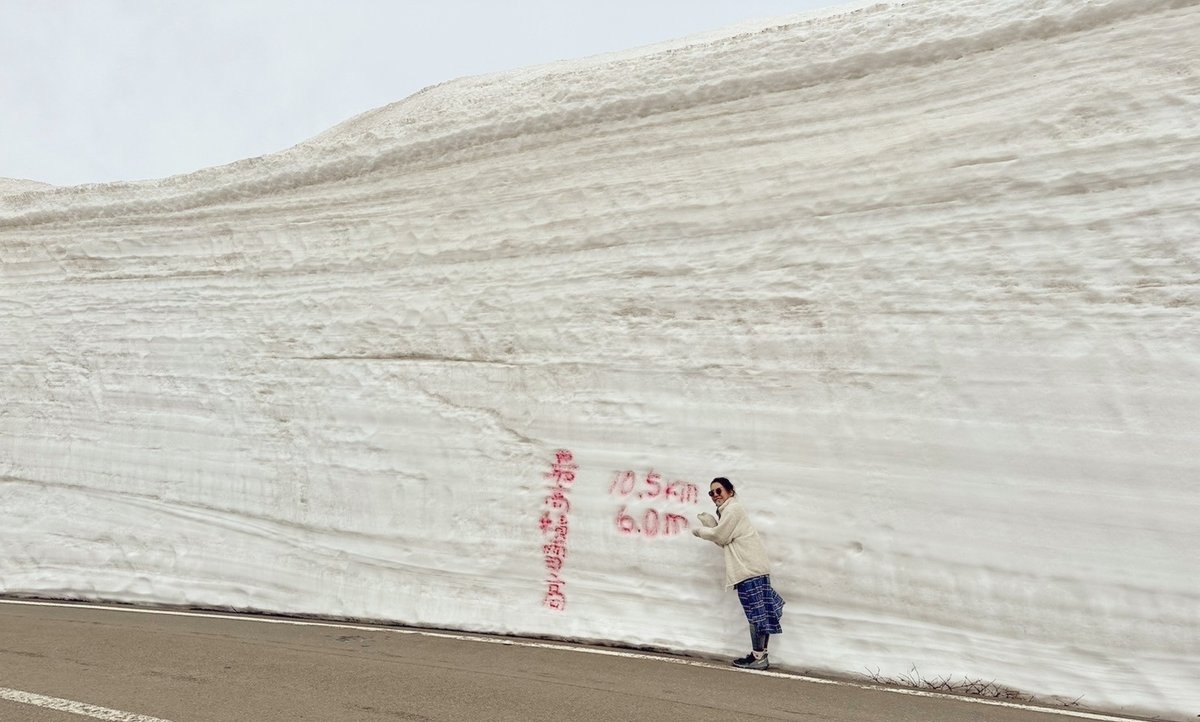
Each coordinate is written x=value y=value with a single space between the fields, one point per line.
x=758 y=640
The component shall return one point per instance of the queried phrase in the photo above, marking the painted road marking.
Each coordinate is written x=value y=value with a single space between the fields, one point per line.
x=69 y=705
x=512 y=642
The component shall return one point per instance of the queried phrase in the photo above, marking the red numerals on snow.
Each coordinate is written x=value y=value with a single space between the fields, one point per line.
x=650 y=521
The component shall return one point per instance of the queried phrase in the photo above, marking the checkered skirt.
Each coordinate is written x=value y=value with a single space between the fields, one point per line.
x=763 y=606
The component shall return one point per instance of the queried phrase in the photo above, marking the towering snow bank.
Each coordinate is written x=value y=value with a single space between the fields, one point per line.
x=922 y=279
x=11 y=186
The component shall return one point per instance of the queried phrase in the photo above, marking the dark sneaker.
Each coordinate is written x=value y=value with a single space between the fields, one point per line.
x=749 y=662
x=743 y=661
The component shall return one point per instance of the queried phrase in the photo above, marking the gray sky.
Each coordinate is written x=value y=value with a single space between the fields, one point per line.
x=103 y=90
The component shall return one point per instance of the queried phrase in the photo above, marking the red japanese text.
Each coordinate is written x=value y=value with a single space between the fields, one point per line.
x=554 y=524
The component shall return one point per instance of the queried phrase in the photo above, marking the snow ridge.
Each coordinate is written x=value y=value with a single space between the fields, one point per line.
x=521 y=106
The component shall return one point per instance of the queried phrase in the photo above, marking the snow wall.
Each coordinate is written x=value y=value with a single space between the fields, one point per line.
x=920 y=278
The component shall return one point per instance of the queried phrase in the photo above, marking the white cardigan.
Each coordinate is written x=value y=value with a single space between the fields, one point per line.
x=745 y=555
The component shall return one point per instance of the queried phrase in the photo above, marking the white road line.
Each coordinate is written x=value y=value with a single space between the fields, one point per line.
x=73 y=707
x=513 y=642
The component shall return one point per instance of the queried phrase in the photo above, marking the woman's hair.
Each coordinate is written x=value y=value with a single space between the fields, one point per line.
x=723 y=482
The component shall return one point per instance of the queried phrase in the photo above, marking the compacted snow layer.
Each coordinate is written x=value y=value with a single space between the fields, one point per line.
x=920 y=278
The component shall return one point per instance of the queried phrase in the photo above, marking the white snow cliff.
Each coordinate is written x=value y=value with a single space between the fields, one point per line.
x=922 y=279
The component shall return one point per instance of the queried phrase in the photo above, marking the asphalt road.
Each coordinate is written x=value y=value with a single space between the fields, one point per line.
x=136 y=667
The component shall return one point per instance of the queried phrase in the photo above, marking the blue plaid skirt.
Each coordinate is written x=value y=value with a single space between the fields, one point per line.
x=763 y=606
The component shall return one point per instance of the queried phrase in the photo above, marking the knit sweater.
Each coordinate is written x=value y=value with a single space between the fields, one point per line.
x=745 y=555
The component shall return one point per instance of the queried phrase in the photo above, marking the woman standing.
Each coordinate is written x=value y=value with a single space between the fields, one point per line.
x=746 y=569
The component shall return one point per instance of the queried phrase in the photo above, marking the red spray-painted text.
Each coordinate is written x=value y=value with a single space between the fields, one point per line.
x=554 y=526
x=651 y=521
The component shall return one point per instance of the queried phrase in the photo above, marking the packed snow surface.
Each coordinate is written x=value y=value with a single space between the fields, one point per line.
x=921 y=279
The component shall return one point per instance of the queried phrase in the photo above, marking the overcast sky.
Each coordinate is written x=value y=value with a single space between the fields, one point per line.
x=103 y=90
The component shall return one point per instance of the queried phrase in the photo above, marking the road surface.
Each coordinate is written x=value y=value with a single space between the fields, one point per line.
x=71 y=663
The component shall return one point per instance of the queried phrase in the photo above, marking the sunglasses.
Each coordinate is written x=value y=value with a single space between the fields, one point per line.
x=717 y=492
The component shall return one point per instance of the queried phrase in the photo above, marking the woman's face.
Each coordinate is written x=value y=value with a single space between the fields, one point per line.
x=717 y=493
